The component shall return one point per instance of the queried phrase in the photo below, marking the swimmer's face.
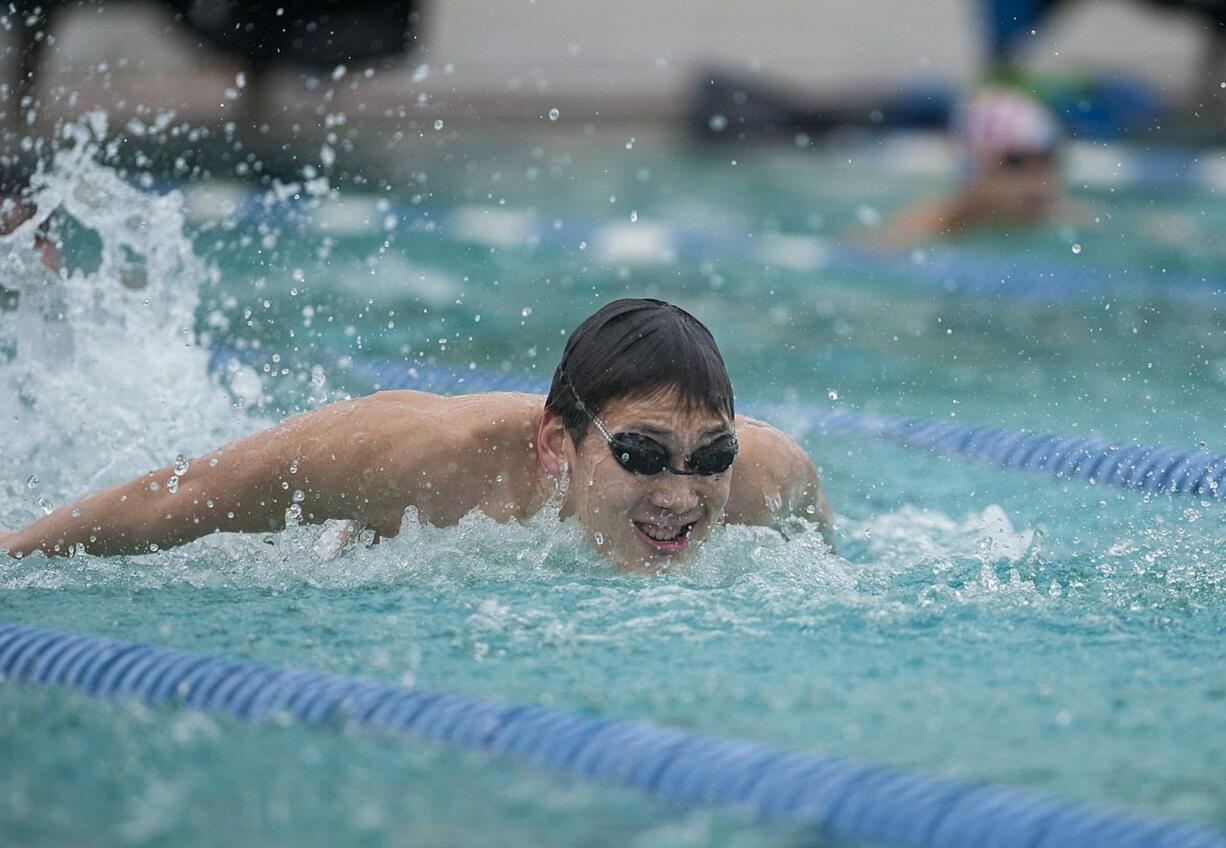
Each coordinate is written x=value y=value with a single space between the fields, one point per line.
x=647 y=522
x=1019 y=188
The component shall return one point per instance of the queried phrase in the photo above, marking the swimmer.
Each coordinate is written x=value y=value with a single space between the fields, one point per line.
x=1011 y=175
x=637 y=440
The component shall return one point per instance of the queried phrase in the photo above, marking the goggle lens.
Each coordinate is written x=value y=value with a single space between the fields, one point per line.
x=641 y=454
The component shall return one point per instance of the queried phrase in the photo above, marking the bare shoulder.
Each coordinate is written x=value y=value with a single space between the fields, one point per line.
x=923 y=220
x=370 y=457
x=769 y=473
x=395 y=412
x=766 y=446
x=773 y=479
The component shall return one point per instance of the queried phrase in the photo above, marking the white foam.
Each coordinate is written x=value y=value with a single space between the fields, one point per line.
x=921 y=154
x=352 y=215
x=911 y=534
x=390 y=278
x=214 y=201
x=800 y=253
x=641 y=243
x=490 y=226
x=1213 y=169
x=1098 y=166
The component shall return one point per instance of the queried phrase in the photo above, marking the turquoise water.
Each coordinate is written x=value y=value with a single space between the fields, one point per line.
x=980 y=624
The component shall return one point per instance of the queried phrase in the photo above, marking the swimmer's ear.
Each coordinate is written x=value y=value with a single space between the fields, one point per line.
x=551 y=442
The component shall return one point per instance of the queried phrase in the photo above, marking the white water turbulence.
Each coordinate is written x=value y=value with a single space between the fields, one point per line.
x=102 y=376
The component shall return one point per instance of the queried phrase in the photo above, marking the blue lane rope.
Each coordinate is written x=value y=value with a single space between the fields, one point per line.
x=1176 y=471
x=841 y=800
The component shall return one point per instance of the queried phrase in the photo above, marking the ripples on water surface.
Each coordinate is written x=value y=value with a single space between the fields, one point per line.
x=976 y=623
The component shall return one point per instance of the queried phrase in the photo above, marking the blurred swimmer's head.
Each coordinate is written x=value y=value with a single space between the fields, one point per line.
x=647 y=375
x=1010 y=146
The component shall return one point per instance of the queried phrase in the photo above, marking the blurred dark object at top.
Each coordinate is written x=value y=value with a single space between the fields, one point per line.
x=1010 y=21
x=308 y=33
x=735 y=107
x=732 y=107
x=314 y=33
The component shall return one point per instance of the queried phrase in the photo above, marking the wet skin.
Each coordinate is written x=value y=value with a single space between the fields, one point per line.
x=647 y=522
x=370 y=459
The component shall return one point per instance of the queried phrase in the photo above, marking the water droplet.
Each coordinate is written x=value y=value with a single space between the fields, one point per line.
x=181 y=465
x=598 y=537
x=718 y=123
x=76 y=513
x=554 y=114
x=832 y=394
x=44 y=505
x=1076 y=247
x=32 y=481
x=634 y=215
x=438 y=125
x=299 y=496
x=293 y=514
x=526 y=311
x=172 y=485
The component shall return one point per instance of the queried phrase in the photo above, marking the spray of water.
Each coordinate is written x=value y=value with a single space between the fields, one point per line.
x=102 y=376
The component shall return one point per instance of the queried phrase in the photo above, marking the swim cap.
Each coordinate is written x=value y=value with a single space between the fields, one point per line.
x=996 y=121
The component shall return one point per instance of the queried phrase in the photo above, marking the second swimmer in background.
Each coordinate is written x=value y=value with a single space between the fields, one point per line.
x=1010 y=173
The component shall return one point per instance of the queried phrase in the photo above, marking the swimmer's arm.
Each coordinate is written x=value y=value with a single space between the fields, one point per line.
x=246 y=486
x=909 y=226
x=144 y=514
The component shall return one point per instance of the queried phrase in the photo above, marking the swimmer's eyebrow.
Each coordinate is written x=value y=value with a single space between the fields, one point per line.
x=654 y=430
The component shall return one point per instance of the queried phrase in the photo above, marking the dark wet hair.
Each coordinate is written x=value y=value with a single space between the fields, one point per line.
x=638 y=346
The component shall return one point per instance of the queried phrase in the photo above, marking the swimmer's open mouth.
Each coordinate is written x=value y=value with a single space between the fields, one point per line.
x=665 y=540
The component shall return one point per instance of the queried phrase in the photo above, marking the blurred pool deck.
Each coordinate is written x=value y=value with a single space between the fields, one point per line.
x=503 y=63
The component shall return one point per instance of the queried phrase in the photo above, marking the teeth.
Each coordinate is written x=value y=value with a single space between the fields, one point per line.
x=662 y=535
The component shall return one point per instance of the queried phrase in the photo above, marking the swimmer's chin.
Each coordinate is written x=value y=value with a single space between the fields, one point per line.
x=655 y=562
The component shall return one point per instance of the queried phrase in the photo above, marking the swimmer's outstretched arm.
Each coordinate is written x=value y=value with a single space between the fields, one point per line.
x=332 y=461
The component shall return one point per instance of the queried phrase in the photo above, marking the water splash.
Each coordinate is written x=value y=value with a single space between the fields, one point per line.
x=103 y=375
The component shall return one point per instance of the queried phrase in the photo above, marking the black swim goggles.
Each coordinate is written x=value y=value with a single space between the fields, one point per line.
x=643 y=455
x=1020 y=159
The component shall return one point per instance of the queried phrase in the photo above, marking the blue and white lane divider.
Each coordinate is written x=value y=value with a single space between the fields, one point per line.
x=840 y=800
x=1176 y=471
x=1148 y=469
x=647 y=242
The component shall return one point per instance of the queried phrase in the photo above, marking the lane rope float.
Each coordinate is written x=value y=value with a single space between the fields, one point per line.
x=841 y=800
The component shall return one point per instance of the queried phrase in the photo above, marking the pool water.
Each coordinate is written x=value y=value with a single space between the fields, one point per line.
x=976 y=623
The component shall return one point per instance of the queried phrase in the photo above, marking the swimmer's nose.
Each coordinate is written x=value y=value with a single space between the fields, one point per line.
x=674 y=493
